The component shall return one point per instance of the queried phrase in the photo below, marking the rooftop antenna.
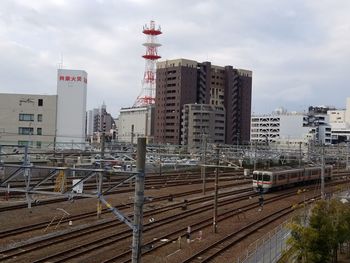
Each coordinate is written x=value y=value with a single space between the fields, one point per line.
x=60 y=64
x=147 y=96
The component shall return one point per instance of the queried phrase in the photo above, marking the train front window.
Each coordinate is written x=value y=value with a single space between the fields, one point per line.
x=266 y=178
x=255 y=176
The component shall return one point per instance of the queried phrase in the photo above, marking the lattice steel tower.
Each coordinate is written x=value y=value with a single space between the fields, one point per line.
x=147 y=95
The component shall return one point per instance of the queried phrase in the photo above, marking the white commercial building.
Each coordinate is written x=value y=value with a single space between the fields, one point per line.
x=290 y=127
x=270 y=128
x=71 y=105
x=135 y=122
x=340 y=123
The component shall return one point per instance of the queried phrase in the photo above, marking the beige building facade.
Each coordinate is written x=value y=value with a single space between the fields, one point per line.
x=202 y=123
x=27 y=119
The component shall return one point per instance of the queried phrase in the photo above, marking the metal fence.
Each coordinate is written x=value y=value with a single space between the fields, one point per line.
x=269 y=248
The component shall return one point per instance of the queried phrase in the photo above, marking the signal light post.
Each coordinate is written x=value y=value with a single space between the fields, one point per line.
x=322 y=174
x=261 y=197
x=139 y=200
x=100 y=176
x=215 y=217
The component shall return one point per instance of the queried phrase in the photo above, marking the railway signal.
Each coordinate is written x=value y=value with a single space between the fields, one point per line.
x=261 y=201
x=261 y=197
x=188 y=234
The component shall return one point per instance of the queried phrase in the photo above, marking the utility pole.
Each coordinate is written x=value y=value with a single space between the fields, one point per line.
x=139 y=200
x=347 y=167
x=100 y=174
x=160 y=161
x=322 y=174
x=203 y=170
x=300 y=154
x=54 y=147
x=215 y=217
x=132 y=138
x=255 y=145
x=27 y=175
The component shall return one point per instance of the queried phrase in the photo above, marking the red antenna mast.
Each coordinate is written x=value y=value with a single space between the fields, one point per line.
x=147 y=95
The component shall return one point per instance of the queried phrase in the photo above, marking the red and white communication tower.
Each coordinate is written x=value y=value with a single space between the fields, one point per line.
x=147 y=95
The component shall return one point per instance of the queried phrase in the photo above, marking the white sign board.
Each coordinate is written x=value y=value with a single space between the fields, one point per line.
x=78 y=188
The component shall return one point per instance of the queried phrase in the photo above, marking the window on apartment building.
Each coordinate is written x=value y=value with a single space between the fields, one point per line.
x=26 y=117
x=23 y=143
x=40 y=117
x=39 y=131
x=38 y=144
x=40 y=102
x=25 y=130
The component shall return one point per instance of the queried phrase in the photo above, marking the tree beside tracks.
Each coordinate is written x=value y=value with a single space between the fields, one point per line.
x=326 y=234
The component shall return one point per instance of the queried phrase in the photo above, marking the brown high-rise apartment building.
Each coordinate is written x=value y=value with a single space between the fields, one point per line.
x=183 y=81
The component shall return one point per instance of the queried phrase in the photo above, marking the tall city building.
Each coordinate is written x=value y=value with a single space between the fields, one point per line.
x=71 y=105
x=184 y=81
x=98 y=120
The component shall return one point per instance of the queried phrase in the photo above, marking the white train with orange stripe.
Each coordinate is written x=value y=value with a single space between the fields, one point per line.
x=274 y=179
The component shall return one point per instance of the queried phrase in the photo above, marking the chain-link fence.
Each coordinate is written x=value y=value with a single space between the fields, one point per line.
x=269 y=248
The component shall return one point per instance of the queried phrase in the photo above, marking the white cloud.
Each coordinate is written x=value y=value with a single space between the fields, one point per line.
x=293 y=47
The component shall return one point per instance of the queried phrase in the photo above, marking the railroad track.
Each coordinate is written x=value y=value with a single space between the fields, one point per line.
x=156 y=244
x=172 y=237
x=81 y=250
x=212 y=251
x=151 y=182
x=24 y=229
x=119 y=191
x=84 y=248
x=32 y=246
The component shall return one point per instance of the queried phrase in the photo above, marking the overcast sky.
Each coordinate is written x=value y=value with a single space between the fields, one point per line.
x=299 y=51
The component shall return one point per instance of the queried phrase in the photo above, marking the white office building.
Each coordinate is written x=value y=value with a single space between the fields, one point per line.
x=135 y=122
x=284 y=128
x=71 y=105
x=340 y=123
x=270 y=128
